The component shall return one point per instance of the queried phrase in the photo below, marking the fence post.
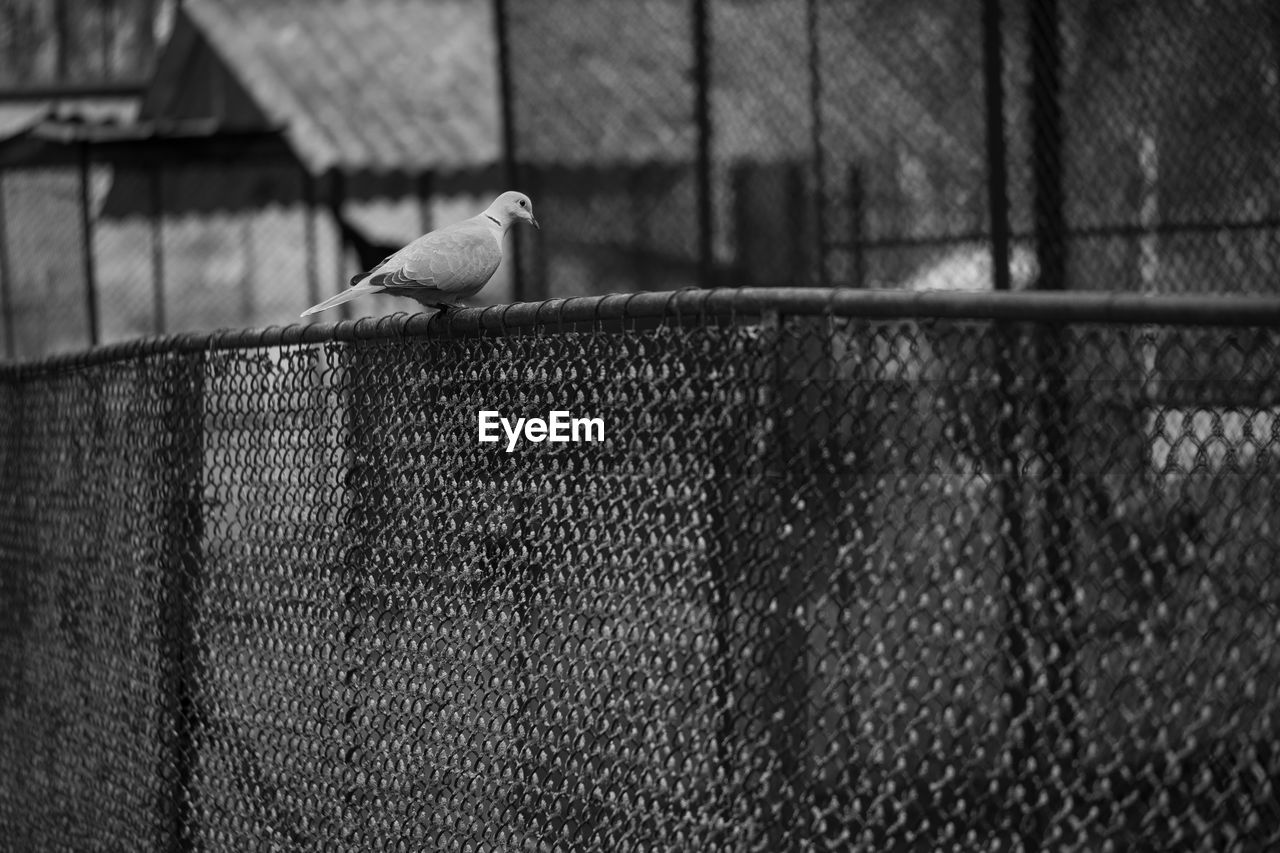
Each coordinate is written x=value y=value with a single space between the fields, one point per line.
x=636 y=185
x=86 y=237
x=6 y=276
x=815 y=131
x=797 y=206
x=309 y=196
x=510 y=161
x=702 y=116
x=156 y=174
x=1046 y=144
x=535 y=278
x=997 y=174
x=338 y=197
x=857 y=223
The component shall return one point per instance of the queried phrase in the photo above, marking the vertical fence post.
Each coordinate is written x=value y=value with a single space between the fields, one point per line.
x=310 y=243
x=702 y=117
x=997 y=169
x=337 y=197
x=857 y=222
x=815 y=141
x=510 y=160
x=534 y=266
x=248 y=272
x=106 y=36
x=6 y=276
x=1048 y=204
x=638 y=180
x=796 y=198
x=86 y=237
x=157 y=248
x=61 y=41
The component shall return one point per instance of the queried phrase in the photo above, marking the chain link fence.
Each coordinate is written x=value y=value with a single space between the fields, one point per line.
x=144 y=243
x=670 y=143
x=847 y=571
x=912 y=145
x=114 y=251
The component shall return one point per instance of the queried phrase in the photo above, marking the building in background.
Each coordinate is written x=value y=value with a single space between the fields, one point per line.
x=268 y=159
x=280 y=145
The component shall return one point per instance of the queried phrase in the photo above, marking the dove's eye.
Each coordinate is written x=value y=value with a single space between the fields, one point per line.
x=521 y=202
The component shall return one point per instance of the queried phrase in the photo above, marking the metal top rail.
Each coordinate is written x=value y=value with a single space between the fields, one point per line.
x=690 y=304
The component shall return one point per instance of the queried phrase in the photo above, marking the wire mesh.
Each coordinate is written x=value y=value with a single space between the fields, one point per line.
x=45 y=261
x=830 y=581
x=672 y=143
x=850 y=143
x=182 y=247
x=604 y=136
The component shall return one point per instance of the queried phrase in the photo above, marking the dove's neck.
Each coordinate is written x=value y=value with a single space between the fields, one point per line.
x=496 y=223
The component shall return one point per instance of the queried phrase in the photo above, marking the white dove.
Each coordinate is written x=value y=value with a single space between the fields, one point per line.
x=445 y=265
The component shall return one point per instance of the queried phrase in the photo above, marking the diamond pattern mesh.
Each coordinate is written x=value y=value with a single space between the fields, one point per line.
x=829 y=583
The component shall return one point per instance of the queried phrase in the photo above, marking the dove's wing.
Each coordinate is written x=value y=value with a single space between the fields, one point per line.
x=454 y=261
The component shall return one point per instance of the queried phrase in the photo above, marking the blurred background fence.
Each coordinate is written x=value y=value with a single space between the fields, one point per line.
x=1006 y=144
x=947 y=573
x=907 y=144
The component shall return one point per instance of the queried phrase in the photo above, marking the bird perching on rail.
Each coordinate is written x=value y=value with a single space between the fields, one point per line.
x=446 y=265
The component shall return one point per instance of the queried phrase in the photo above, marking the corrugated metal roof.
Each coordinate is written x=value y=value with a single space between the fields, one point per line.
x=409 y=85
x=375 y=85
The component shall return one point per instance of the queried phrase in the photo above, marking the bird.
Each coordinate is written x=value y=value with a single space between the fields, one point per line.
x=446 y=265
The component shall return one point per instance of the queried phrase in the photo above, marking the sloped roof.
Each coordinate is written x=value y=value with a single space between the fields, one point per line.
x=378 y=86
x=365 y=85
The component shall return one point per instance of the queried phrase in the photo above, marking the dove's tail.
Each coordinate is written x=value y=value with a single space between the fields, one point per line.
x=344 y=296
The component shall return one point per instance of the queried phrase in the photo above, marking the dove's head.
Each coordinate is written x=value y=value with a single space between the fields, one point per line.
x=512 y=207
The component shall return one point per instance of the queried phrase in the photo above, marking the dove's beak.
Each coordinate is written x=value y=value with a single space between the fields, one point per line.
x=534 y=223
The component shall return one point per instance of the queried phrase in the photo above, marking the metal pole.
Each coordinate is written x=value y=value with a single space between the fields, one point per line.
x=638 y=179
x=815 y=128
x=997 y=174
x=1048 y=207
x=157 y=248
x=106 y=34
x=6 y=278
x=857 y=218
x=248 y=275
x=86 y=236
x=309 y=236
x=535 y=257
x=337 y=196
x=510 y=160
x=61 y=41
x=702 y=115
